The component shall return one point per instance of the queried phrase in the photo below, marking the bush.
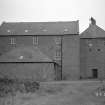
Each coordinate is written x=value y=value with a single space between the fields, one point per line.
x=11 y=86
x=31 y=86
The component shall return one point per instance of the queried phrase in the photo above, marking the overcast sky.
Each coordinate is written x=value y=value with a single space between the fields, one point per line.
x=53 y=10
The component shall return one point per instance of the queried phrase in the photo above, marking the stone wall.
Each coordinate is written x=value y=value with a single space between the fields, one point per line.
x=92 y=57
x=47 y=45
x=36 y=71
x=71 y=57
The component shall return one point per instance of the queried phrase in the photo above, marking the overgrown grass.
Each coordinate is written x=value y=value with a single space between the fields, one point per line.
x=12 y=86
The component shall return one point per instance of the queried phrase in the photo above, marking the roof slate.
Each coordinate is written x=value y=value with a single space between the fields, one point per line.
x=93 y=31
x=39 y=28
x=25 y=54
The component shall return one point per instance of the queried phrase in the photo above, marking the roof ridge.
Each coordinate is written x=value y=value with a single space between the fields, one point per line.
x=40 y=22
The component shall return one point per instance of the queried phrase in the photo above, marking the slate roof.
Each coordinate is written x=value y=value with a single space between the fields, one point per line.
x=39 y=28
x=93 y=31
x=25 y=54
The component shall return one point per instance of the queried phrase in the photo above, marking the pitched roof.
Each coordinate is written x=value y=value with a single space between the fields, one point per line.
x=93 y=31
x=25 y=54
x=39 y=28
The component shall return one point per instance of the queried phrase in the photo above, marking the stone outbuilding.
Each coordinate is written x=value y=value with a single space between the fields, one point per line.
x=27 y=63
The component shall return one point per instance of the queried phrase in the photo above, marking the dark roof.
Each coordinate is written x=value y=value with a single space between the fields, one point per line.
x=93 y=31
x=39 y=28
x=25 y=54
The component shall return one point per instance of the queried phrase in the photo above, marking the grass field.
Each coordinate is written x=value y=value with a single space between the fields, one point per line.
x=60 y=93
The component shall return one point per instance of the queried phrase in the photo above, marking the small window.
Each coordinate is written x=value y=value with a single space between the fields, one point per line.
x=8 y=31
x=57 y=40
x=58 y=47
x=45 y=30
x=90 y=50
x=35 y=40
x=90 y=44
x=66 y=30
x=98 y=49
x=58 y=55
x=26 y=30
x=21 y=57
x=12 y=41
x=95 y=73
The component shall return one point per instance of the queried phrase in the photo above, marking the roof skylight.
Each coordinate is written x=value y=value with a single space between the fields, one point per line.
x=65 y=30
x=21 y=57
x=44 y=30
x=26 y=30
x=8 y=30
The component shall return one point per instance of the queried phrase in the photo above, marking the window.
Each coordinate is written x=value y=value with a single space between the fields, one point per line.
x=58 y=55
x=35 y=40
x=90 y=49
x=98 y=49
x=12 y=41
x=66 y=30
x=58 y=47
x=26 y=30
x=95 y=73
x=21 y=57
x=8 y=31
x=90 y=44
x=57 y=40
x=45 y=30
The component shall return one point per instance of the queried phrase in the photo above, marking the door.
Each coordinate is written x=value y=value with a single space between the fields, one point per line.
x=58 y=72
x=95 y=73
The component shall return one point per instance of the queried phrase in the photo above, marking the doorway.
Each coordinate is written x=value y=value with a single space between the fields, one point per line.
x=58 y=72
x=95 y=73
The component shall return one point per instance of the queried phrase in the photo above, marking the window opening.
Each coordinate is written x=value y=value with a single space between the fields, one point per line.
x=35 y=40
x=95 y=73
x=12 y=41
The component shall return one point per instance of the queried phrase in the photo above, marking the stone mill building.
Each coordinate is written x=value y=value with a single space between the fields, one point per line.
x=48 y=51
x=43 y=51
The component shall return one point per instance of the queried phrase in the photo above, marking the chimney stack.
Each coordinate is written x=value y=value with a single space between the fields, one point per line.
x=93 y=21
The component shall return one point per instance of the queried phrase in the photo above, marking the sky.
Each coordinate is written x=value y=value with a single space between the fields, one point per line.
x=53 y=10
